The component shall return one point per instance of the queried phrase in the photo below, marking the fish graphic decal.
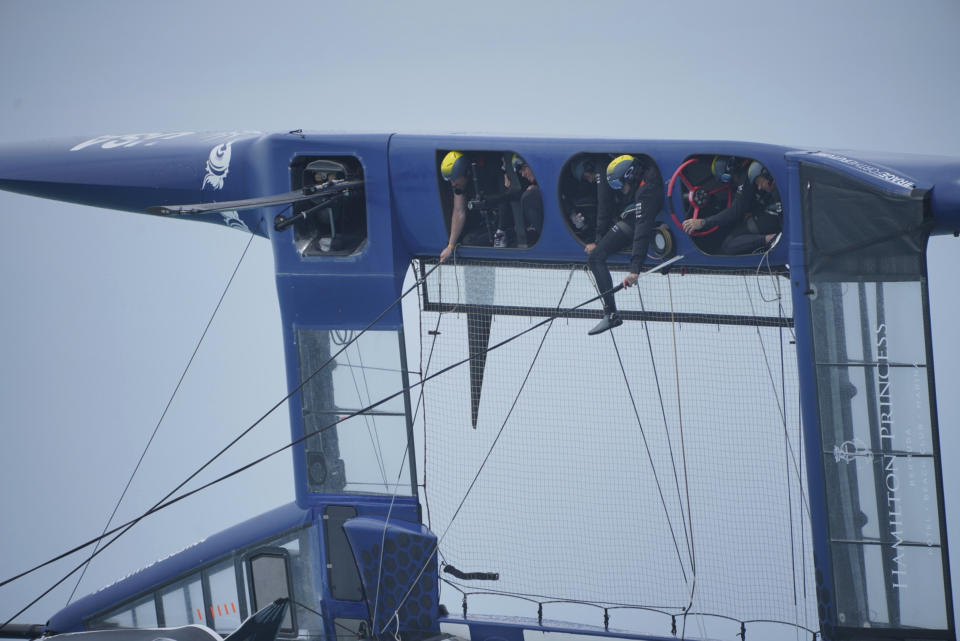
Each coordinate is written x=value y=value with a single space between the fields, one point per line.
x=232 y=219
x=218 y=166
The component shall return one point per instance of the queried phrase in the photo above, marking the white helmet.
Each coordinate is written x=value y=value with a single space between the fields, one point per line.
x=756 y=170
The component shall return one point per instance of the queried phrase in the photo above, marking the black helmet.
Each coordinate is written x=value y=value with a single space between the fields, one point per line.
x=582 y=165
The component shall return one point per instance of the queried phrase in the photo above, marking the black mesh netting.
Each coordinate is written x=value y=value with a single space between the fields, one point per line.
x=658 y=465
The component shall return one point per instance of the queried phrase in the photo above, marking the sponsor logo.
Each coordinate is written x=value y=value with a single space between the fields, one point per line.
x=871 y=170
x=891 y=479
x=125 y=141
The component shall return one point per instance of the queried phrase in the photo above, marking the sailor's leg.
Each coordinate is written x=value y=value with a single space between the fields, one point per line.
x=736 y=244
x=531 y=203
x=614 y=240
x=597 y=262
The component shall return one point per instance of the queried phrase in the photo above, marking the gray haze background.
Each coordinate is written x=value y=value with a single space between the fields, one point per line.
x=99 y=310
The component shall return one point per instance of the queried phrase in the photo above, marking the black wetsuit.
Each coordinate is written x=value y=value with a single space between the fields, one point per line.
x=476 y=231
x=531 y=207
x=583 y=211
x=622 y=219
x=745 y=224
x=480 y=222
x=582 y=198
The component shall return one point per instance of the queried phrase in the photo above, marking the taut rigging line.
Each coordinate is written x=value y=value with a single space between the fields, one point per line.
x=167 y=501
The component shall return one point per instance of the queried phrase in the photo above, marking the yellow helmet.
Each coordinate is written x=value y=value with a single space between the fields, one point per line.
x=722 y=168
x=621 y=170
x=454 y=165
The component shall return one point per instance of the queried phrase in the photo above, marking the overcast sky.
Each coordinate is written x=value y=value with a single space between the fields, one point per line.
x=99 y=310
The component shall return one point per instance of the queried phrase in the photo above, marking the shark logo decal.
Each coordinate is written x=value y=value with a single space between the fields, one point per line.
x=218 y=166
x=232 y=219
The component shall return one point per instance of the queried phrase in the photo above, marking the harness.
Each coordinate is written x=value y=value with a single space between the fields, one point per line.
x=629 y=212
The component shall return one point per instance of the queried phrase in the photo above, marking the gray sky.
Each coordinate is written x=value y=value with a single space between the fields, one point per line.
x=101 y=310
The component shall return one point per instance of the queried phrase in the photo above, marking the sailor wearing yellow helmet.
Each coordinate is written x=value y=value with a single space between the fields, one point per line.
x=455 y=169
x=626 y=213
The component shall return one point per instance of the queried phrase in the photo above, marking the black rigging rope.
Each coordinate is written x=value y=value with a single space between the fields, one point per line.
x=666 y=429
x=373 y=419
x=352 y=634
x=789 y=455
x=386 y=522
x=163 y=414
x=436 y=546
x=653 y=467
x=161 y=504
x=687 y=534
x=167 y=501
x=786 y=455
x=798 y=464
x=780 y=407
x=421 y=401
x=683 y=453
x=549 y=320
x=803 y=539
x=416 y=411
x=371 y=431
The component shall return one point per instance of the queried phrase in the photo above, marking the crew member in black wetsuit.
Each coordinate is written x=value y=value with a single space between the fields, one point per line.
x=632 y=203
x=471 y=227
x=455 y=168
x=531 y=202
x=752 y=221
x=582 y=195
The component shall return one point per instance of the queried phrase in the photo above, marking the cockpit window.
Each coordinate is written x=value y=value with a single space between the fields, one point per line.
x=489 y=199
x=335 y=222
x=270 y=580
x=139 y=614
x=583 y=186
x=728 y=205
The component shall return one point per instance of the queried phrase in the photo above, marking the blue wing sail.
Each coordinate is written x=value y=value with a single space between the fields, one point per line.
x=340 y=270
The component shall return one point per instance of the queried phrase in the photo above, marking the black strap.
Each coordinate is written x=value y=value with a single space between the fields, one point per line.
x=472 y=576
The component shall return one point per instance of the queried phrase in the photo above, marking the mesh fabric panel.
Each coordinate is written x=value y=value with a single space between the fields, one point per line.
x=619 y=486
